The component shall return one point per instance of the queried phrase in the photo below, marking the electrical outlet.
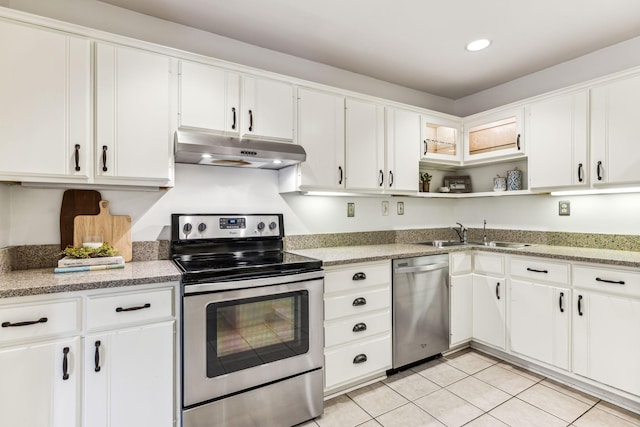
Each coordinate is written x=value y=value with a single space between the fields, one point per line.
x=564 y=208
x=400 y=208
x=385 y=208
x=351 y=210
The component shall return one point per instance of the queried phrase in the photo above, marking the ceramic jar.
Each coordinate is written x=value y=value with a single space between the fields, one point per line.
x=514 y=180
x=499 y=183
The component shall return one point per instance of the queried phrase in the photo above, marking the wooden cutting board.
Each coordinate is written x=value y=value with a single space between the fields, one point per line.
x=76 y=202
x=114 y=229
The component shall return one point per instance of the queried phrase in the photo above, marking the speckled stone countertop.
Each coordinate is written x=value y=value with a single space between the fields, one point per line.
x=45 y=281
x=349 y=254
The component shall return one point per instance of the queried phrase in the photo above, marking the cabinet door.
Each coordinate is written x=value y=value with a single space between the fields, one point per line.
x=606 y=343
x=129 y=377
x=267 y=107
x=496 y=135
x=558 y=133
x=615 y=132
x=40 y=394
x=133 y=114
x=539 y=322
x=45 y=104
x=209 y=98
x=402 y=156
x=461 y=309
x=489 y=296
x=321 y=133
x=440 y=140
x=365 y=145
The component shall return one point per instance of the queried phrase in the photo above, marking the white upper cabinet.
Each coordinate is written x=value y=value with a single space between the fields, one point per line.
x=267 y=109
x=557 y=133
x=321 y=133
x=495 y=135
x=440 y=140
x=45 y=105
x=615 y=132
x=134 y=111
x=365 y=146
x=402 y=156
x=209 y=98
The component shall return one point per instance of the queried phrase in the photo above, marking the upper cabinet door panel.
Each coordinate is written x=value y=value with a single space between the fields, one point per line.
x=496 y=135
x=45 y=103
x=402 y=156
x=440 y=140
x=267 y=107
x=365 y=145
x=209 y=98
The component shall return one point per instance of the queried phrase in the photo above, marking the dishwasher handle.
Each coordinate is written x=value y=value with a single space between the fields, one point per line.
x=421 y=268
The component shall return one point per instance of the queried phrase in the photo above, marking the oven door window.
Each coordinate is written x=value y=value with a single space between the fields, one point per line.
x=254 y=331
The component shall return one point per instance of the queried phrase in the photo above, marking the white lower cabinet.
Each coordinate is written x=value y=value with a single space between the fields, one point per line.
x=357 y=324
x=461 y=298
x=489 y=299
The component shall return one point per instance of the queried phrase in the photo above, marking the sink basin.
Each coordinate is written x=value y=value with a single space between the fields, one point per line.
x=447 y=243
x=512 y=245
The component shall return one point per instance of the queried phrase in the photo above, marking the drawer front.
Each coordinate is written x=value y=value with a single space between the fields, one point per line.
x=357 y=303
x=357 y=276
x=459 y=263
x=341 y=365
x=33 y=321
x=539 y=270
x=617 y=281
x=488 y=264
x=127 y=308
x=357 y=327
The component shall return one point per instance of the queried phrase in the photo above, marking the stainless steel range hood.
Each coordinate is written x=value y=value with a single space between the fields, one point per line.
x=204 y=148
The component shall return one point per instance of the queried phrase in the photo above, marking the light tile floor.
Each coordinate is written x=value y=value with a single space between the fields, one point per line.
x=469 y=388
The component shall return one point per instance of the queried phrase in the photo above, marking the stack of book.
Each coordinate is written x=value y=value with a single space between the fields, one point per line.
x=70 y=265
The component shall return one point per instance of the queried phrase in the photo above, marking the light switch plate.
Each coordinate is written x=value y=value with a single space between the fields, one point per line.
x=564 y=208
x=400 y=208
x=385 y=208
x=351 y=210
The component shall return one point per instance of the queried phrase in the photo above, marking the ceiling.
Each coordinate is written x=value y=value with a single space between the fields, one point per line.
x=415 y=43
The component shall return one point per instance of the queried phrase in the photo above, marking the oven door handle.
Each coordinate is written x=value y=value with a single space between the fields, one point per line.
x=231 y=285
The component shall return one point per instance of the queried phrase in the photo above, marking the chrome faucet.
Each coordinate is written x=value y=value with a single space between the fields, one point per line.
x=461 y=232
x=484 y=233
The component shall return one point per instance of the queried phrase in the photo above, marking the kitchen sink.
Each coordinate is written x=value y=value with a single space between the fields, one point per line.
x=513 y=245
x=447 y=243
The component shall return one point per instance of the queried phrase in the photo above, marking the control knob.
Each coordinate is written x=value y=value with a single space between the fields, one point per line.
x=186 y=228
x=273 y=225
x=261 y=226
x=202 y=226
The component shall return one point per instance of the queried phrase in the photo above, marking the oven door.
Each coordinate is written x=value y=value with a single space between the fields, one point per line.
x=264 y=330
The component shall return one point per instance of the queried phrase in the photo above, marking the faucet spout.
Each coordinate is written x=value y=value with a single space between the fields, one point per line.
x=484 y=233
x=461 y=231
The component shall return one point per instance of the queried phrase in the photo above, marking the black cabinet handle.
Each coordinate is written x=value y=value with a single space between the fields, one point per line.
x=360 y=327
x=359 y=301
x=361 y=358
x=65 y=363
x=250 y=121
x=76 y=155
x=359 y=276
x=340 y=170
x=96 y=357
x=498 y=290
x=616 y=282
x=580 y=305
x=518 y=142
x=104 y=158
x=580 y=172
x=140 y=307
x=381 y=178
x=599 y=170
x=425 y=147
x=233 y=111
x=561 y=302
x=27 y=323
x=537 y=271
x=390 y=179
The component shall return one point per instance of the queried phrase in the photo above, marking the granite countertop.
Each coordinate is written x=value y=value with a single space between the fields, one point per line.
x=349 y=254
x=45 y=281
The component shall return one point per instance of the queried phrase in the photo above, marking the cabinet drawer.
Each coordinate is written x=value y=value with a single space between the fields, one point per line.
x=488 y=264
x=357 y=327
x=126 y=308
x=341 y=364
x=357 y=303
x=539 y=270
x=39 y=320
x=618 y=281
x=357 y=276
x=459 y=263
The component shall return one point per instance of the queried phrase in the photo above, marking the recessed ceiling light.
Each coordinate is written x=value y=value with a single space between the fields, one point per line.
x=477 y=45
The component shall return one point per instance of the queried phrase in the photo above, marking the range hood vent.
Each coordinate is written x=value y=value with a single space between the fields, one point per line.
x=204 y=148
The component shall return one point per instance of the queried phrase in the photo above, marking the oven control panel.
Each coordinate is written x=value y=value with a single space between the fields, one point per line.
x=205 y=226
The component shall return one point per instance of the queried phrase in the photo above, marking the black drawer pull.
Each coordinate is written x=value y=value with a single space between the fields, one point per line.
x=233 y=125
x=96 y=357
x=518 y=142
x=250 y=121
x=381 y=178
x=359 y=301
x=359 y=276
x=561 y=302
x=65 y=363
x=104 y=158
x=340 y=170
x=537 y=271
x=498 y=290
x=140 y=307
x=580 y=305
x=599 y=170
x=360 y=327
x=27 y=323
x=361 y=358
x=76 y=156
x=617 y=282
x=580 y=173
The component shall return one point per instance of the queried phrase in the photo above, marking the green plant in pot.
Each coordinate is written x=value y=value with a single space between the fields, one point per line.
x=425 y=179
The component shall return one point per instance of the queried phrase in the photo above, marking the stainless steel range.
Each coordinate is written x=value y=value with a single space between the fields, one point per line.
x=252 y=337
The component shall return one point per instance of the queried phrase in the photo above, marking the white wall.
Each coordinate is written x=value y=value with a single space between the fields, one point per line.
x=5 y=214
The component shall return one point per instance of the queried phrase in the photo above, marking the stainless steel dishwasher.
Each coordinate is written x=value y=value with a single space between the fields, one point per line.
x=420 y=308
